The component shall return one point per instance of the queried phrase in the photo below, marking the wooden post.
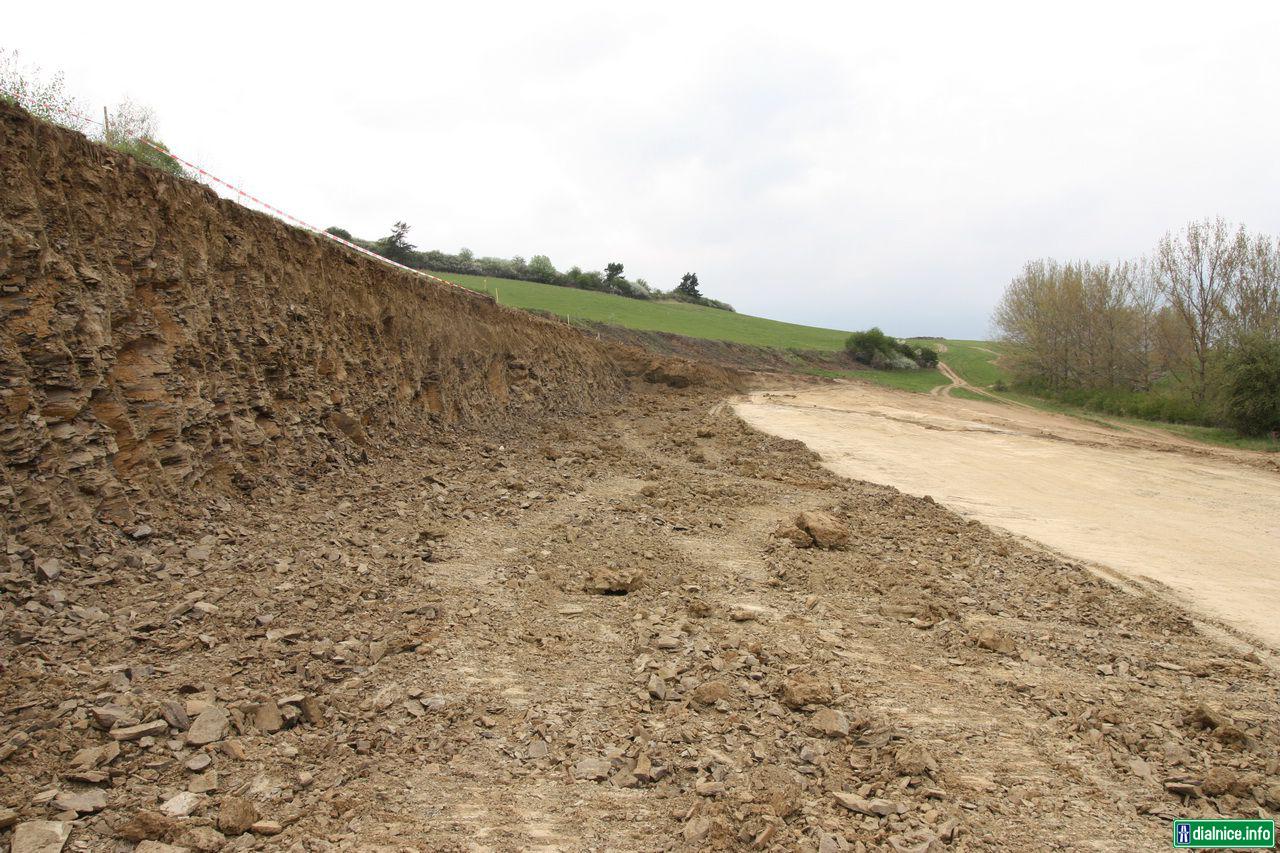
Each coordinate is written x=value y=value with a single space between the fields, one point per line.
x=106 y=123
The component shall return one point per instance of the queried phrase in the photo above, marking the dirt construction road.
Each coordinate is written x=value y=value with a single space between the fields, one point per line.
x=1204 y=524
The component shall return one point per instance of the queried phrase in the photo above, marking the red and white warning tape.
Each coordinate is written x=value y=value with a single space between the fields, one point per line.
x=272 y=208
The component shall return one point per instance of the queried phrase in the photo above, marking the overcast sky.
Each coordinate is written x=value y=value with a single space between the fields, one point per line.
x=842 y=165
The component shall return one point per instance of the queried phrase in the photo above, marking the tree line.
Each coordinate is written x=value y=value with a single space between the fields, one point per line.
x=1188 y=333
x=539 y=268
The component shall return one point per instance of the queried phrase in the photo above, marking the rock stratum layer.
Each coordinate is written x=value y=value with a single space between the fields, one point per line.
x=158 y=338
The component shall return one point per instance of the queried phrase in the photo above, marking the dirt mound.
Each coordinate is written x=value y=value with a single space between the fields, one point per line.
x=158 y=338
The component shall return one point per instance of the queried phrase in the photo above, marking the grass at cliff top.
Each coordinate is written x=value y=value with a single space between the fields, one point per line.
x=679 y=318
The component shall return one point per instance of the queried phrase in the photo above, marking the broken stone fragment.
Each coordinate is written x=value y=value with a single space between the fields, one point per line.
x=348 y=426
x=236 y=815
x=266 y=827
x=49 y=569
x=206 y=839
x=144 y=825
x=874 y=807
x=643 y=771
x=805 y=690
x=203 y=783
x=912 y=759
x=711 y=692
x=81 y=802
x=311 y=712
x=208 y=727
x=155 y=728
x=106 y=716
x=608 y=581
x=827 y=530
x=709 y=788
x=175 y=715
x=267 y=717
x=920 y=841
x=593 y=769
x=830 y=722
x=182 y=805
x=992 y=640
x=40 y=836
x=16 y=742
x=787 y=530
x=1218 y=781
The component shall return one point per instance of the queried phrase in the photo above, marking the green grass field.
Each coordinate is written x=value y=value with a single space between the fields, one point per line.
x=678 y=318
x=974 y=361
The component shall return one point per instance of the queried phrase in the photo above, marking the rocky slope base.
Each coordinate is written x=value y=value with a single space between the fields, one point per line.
x=613 y=635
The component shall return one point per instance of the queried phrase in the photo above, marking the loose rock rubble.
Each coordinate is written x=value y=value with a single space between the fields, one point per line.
x=926 y=685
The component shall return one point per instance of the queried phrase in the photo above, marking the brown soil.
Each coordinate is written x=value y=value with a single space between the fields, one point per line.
x=469 y=693
x=557 y=609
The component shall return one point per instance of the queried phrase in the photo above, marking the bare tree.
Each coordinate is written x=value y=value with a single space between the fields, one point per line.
x=1195 y=269
x=1253 y=296
x=1081 y=324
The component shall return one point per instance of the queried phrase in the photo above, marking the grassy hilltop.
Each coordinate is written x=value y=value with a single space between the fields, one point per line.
x=680 y=318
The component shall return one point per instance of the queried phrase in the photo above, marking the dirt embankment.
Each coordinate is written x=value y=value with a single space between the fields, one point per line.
x=157 y=338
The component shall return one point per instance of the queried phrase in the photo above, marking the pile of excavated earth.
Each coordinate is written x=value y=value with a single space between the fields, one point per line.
x=303 y=555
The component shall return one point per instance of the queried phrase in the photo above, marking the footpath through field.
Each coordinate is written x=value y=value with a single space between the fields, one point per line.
x=1200 y=522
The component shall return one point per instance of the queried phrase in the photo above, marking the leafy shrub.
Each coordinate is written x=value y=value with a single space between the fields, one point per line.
x=1175 y=407
x=866 y=346
x=876 y=349
x=1252 y=386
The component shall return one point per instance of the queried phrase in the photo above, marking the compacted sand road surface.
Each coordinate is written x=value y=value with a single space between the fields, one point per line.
x=1202 y=522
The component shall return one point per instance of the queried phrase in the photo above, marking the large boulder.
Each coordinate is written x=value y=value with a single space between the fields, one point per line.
x=826 y=530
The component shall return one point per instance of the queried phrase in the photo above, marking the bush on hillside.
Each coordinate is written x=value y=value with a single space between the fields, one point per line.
x=1252 y=386
x=876 y=349
x=153 y=153
x=131 y=128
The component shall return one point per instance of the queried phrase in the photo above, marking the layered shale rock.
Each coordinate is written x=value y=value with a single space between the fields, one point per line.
x=158 y=339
